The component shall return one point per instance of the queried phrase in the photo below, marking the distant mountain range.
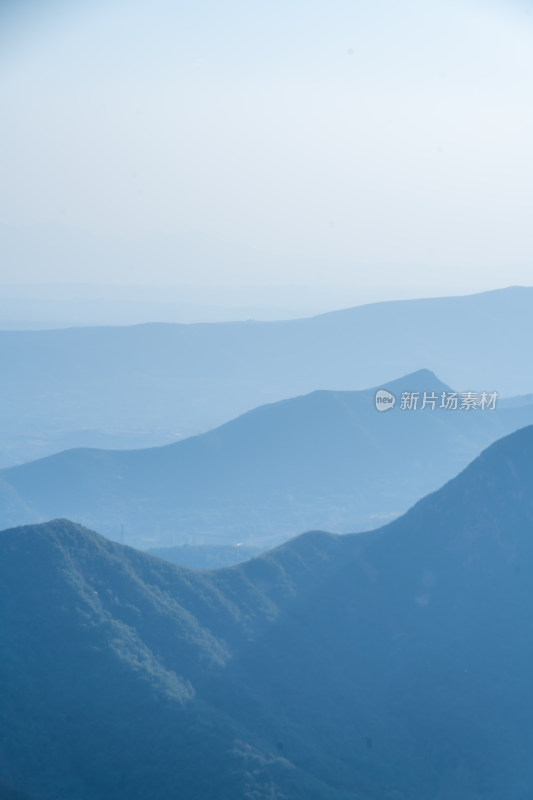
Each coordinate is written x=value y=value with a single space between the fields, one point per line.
x=393 y=664
x=325 y=460
x=141 y=385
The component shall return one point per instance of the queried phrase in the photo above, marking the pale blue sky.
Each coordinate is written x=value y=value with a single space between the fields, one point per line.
x=354 y=144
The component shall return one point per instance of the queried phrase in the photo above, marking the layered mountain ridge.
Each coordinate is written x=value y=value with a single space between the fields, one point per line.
x=393 y=664
x=324 y=460
x=146 y=384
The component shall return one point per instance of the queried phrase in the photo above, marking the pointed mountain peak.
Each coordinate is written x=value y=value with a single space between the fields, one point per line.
x=422 y=380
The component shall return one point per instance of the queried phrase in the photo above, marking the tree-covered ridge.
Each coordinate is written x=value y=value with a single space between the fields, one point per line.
x=393 y=664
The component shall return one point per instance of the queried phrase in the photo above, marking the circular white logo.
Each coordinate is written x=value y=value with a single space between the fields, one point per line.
x=384 y=400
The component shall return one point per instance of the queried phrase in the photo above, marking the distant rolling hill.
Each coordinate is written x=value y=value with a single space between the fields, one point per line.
x=394 y=664
x=325 y=460
x=146 y=382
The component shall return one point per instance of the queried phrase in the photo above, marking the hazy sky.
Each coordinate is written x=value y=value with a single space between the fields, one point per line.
x=360 y=144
